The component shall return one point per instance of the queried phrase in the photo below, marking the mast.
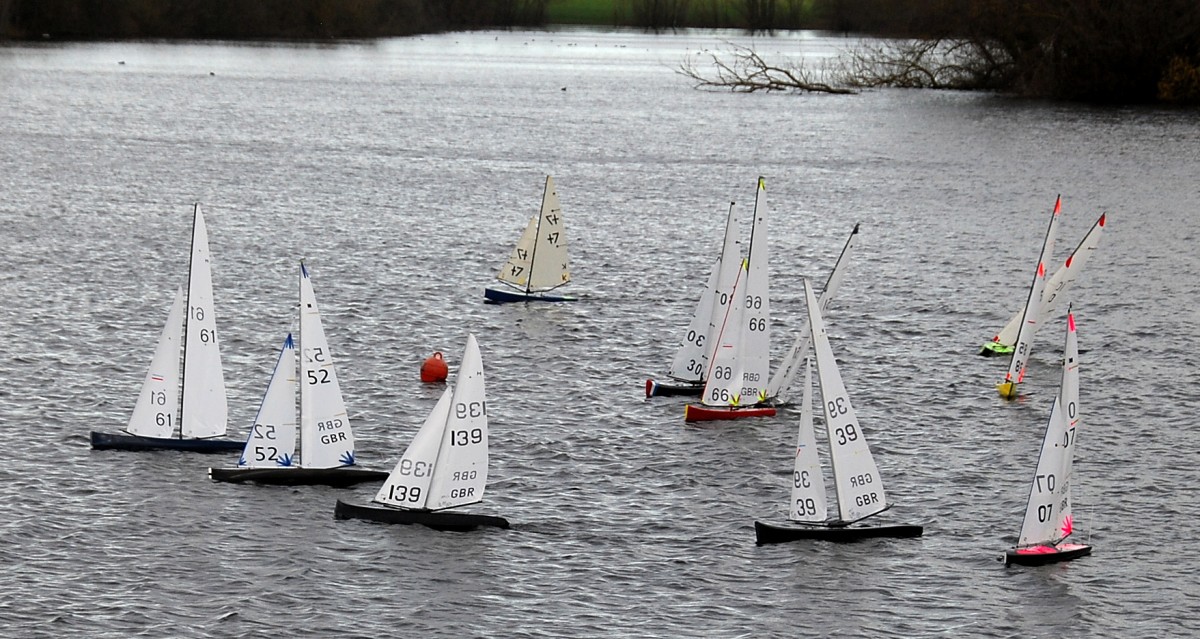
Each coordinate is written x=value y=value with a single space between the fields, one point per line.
x=537 y=239
x=301 y=381
x=187 y=318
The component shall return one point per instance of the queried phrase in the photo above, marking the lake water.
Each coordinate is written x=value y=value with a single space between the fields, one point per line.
x=402 y=172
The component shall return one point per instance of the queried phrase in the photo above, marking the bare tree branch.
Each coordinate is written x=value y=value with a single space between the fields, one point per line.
x=742 y=70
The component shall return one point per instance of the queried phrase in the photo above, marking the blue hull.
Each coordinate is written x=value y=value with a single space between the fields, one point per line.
x=499 y=296
x=113 y=441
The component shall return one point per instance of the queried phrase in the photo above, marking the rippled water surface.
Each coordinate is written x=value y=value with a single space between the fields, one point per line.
x=402 y=172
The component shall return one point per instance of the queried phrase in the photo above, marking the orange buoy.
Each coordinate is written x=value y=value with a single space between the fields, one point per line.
x=434 y=369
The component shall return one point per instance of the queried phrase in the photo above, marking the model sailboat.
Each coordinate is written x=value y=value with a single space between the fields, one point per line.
x=1055 y=290
x=1031 y=318
x=857 y=482
x=445 y=465
x=785 y=374
x=689 y=368
x=538 y=263
x=191 y=418
x=1049 y=520
x=326 y=439
x=739 y=360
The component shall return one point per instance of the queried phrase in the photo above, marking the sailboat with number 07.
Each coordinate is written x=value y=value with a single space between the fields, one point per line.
x=1049 y=520
x=199 y=405
x=445 y=465
x=858 y=485
x=326 y=440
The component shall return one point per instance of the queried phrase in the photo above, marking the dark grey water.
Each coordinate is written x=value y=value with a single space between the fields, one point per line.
x=403 y=171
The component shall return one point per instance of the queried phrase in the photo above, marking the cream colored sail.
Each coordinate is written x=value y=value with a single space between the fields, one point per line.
x=539 y=261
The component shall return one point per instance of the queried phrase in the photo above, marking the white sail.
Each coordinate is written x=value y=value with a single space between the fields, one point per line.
x=462 y=466
x=272 y=439
x=446 y=464
x=1048 y=517
x=157 y=402
x=723 y=386
x=808 y=484
x=856 y=478
x=694 y=354
x=756 y=314
x=326 y=440
x=408 y=484
x=539 y=261
x=797 y=354
x=731 y=270
x=1030 y=321
x=205 y=411
x=1057 y=286
x=688 y=364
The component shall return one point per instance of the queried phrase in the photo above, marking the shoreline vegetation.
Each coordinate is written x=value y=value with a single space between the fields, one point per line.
x=1119 y=52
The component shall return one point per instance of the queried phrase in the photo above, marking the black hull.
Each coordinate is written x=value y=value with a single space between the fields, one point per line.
x=113 y=441
x=770 y=534
x=335 y=477
x=499 y=296
x=1041 y=559
x=440 y=520
x=665 y=389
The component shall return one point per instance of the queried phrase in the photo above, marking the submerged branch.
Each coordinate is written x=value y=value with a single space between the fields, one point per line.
x=743 y=70
x=918 y=64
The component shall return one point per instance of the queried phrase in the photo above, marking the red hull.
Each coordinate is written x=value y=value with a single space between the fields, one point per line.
x=701 y=413
x=1042 y=555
